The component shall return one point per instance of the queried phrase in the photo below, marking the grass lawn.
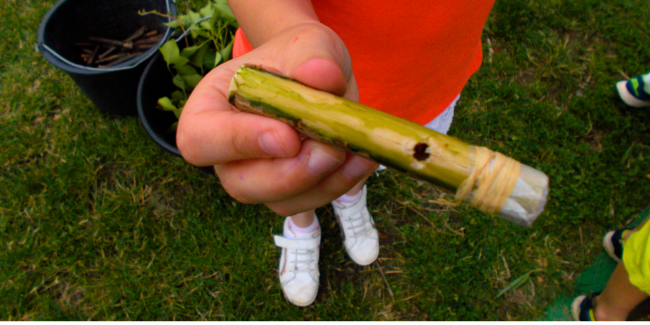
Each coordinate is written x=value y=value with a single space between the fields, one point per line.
x=97 y=222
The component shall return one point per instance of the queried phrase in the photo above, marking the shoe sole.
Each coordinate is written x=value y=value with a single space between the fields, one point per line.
x=627 y=97
x=575 y=307
x=298 y=305
x=608 y=247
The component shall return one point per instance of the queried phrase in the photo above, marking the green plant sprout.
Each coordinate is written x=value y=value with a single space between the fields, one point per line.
x=211 y=32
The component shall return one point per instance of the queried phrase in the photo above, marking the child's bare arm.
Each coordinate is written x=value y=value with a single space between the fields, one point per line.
x=261 y=20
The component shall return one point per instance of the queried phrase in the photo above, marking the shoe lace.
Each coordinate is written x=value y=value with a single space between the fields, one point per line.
x=302 y=260
x=359 y=223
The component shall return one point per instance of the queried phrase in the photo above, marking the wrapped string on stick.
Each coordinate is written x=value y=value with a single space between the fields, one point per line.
x=489 y=181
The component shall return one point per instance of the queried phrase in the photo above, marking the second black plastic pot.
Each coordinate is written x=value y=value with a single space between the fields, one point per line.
x=156 y=82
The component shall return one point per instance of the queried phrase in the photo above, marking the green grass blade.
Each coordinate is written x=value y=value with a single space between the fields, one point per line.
x=517 y=282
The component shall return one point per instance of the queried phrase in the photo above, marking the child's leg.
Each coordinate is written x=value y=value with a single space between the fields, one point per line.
x=630 y=282
x=300 y=243
x=619 y=297
x=357 y=188
x=304 y=219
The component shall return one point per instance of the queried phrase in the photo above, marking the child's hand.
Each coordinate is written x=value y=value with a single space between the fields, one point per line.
x=261 y=160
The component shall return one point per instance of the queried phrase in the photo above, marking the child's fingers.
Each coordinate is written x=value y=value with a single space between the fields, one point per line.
x=328 y=189
x=261 y=160
x=217 y=137
x=210 y=131
x=268 y=180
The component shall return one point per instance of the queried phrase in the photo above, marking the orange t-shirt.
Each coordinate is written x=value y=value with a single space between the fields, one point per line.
x=412 y=58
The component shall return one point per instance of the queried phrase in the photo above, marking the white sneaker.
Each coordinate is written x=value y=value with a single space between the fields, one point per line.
x=361 y=238
x=298 y=269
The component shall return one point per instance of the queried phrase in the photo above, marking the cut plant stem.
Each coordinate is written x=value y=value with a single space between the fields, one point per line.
x=151 y=33
x=112 y=42
x=91 y=59
x=112 y=57
x=137 y=34
x=148 y=40
x=121 y=59
x=107 y=52
x=442 y=160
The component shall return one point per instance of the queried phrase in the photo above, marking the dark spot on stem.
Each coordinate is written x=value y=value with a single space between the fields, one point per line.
x=420 y=151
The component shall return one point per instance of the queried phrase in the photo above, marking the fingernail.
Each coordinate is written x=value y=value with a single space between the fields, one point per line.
x=357 y=167
x=320 y=162
x=270 y=143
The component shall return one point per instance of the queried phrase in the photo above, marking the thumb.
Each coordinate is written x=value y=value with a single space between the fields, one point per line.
x=322 y=74
x=314 y=55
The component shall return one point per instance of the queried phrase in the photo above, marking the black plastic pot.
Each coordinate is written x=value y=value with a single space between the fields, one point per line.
x=156 y=82
x=112 y=89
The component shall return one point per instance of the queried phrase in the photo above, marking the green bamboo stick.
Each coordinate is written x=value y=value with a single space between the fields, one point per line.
x=407 y=147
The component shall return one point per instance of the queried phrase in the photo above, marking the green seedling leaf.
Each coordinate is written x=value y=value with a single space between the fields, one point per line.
x=198 y=57
x=189 y=51
x=224 y=9
x=194 y=16
x=178 y=97
x=197 y=31
x=206 y=25
x=209 y=59
x=171 y=53
x=517 y=282
x=227 y=51
x=216 y=15
x=191 y=62
x=173 y=127
x=166 y=104
x=212 y=59
x=185 y=20
x=217 y=59
x=179 y=82
x=191 y=80
x=172 y=24
x=185 y=69
x=206 y=11
x=194 y=31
